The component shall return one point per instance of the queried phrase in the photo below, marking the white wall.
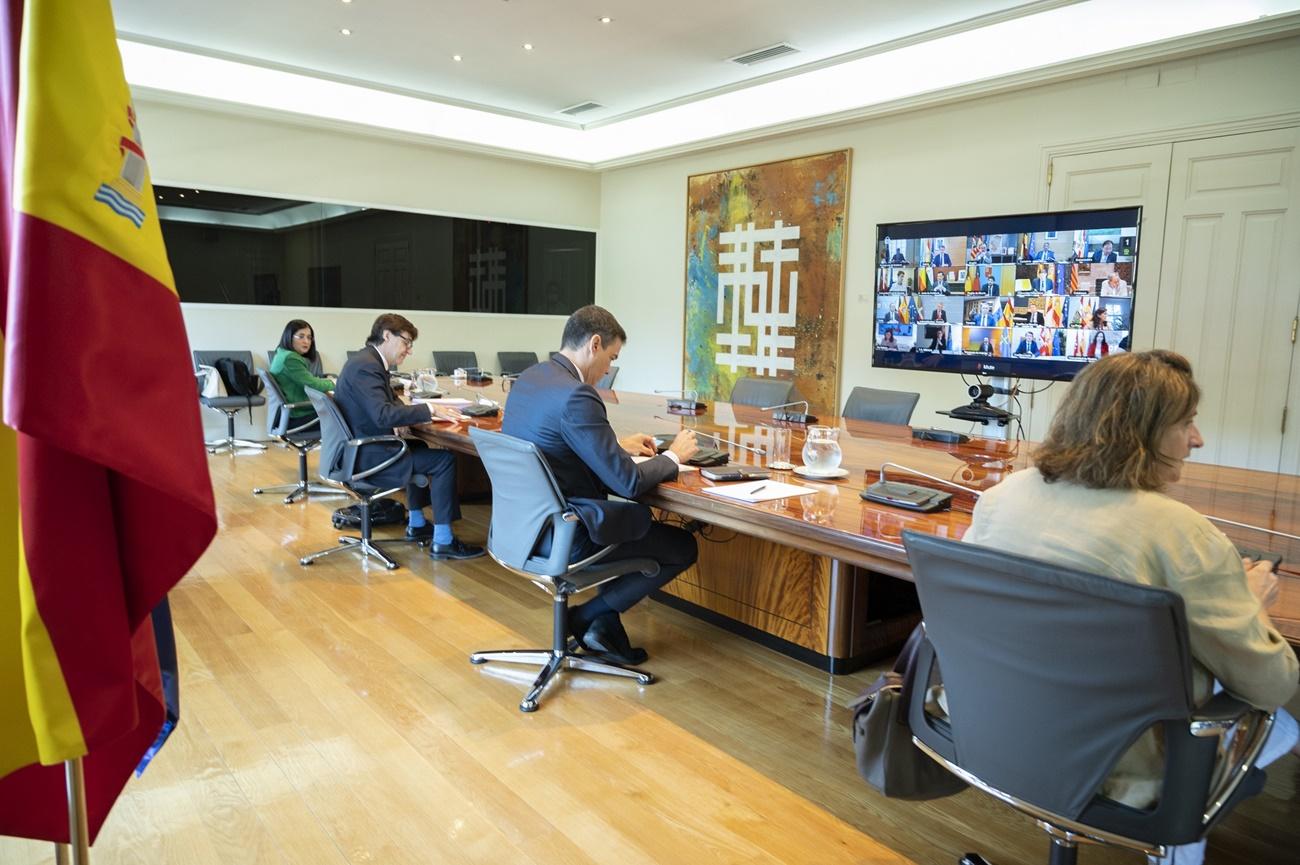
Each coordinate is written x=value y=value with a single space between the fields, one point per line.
x=975 y=158
x=215 y=150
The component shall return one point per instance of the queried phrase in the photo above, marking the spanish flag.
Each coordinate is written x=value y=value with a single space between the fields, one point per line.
x=972 y=280
x=105 y=500
x=902 y=312
x=1008 y=315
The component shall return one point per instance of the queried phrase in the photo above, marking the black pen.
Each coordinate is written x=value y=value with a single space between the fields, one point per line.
x=756 y=490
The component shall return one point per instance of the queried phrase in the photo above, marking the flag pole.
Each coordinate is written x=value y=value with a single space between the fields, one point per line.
x=78 y=831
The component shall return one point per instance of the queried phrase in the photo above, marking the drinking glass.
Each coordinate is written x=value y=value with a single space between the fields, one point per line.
x=458 y=376
x=821 y=449
x=426 y=380
x=778 y=448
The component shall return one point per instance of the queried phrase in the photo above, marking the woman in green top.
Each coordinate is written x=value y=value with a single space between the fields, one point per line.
x=290 y=366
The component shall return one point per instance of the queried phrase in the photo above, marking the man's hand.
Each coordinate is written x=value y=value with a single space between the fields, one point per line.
x=638 y=445
x=1262 y=581
x=684 y=446
x=444 y=414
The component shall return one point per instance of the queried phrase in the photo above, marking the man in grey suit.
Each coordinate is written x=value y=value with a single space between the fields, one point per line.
x=365 y=396
x=555 y=406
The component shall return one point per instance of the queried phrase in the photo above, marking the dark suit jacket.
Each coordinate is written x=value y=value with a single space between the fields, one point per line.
x=1035 y=317
x=366 y=399
x=1109 y=259
x=941 y=259
x=551 y=407
x=1042 y=284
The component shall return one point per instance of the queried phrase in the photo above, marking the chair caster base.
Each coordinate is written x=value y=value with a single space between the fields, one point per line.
x=552 y=662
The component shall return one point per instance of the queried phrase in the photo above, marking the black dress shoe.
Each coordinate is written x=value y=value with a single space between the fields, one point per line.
x=457 y=549
x=606 y=637
x=420 y=533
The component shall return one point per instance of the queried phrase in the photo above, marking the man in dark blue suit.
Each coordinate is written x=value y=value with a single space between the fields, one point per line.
x=555 y=406
x=365 y=396
x=941 y=257
x=1105 y=255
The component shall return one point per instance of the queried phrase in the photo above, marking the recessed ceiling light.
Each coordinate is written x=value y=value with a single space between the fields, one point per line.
x=456 y=57
x=345 y=31
x=181 y=194
x=605 y=19
x=528 y=46
x=347 y=1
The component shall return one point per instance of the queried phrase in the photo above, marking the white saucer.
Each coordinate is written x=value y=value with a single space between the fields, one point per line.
x=804 y=471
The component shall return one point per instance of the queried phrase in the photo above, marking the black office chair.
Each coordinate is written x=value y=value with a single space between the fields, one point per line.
x=338 y=466
x=301 y=435
x=315 y=367
x=513 y=362
x=229 y=405
x=1050 y=675
x=607 y=380
x=882 y=406
x=526 y=502
x=447 y=361
x=764 y=391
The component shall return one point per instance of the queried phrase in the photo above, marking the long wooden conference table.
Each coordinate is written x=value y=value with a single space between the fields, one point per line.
x=804 y=574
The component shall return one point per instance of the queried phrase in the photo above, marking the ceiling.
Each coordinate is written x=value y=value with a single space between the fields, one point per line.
x=651 y=53
x=659 y=69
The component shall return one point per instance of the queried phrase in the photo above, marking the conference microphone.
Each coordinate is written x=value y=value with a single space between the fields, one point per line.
x=791 y=416
x=720 y=440
x=913 y=497
x=685 y=403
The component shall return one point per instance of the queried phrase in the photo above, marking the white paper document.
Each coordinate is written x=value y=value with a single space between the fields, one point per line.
x=759 y=491
x=448 y=401
x=680 y=469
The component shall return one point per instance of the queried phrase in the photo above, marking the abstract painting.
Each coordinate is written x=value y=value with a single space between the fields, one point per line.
x=764 y=276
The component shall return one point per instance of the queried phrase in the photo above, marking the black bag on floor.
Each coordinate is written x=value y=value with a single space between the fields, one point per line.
x=383 y=512
x=882 y=736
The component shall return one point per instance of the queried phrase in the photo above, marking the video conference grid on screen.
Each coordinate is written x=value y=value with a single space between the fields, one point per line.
x=1034 y=296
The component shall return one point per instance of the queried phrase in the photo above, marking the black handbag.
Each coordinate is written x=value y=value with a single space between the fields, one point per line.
x=882 y=737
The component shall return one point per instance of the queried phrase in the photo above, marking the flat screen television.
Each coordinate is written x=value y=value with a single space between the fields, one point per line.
x=1034 y=296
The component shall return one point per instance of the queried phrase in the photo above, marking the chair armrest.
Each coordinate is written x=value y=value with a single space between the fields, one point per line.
x=313 y=422
x=354 y=447
x=1218 y=715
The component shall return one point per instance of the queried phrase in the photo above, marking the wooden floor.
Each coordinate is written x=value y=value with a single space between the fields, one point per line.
x=330 y=715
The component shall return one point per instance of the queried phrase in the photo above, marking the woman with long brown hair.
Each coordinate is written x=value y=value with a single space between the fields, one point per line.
x=1094 y=500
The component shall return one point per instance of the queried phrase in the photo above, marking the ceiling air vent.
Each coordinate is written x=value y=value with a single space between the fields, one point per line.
x=580 y=108
x=772 y=51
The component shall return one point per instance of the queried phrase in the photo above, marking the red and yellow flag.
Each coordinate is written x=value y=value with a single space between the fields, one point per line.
x=1008 y=315
x=105 y=500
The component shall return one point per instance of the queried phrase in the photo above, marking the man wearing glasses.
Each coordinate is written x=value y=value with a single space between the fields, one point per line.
x=365 y=396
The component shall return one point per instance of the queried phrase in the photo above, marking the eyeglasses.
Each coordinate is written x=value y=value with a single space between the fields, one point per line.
x=410 y=343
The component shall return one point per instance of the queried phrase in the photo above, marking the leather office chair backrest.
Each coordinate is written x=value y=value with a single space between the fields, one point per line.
x=882 y=406
x=277 y=413
x=448 y=361
x=763 y=391
x=526 y=499
x=515 y=362
x=209 y=358
x=607 y=380
x=1051 y=673
x=334 y=436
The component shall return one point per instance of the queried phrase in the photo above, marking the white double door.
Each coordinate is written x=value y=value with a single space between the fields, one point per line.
x=1218 y=278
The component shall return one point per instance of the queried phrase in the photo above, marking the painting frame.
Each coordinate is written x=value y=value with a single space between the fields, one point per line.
x=742 y=226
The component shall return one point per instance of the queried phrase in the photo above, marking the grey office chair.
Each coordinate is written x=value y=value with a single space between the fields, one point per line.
x=229 y=405
x=513 y=362
x=1050 y=675
x=446 y=361
x=315 y=367
x=764 y=391
x=338 y=466
x=301 y=435
x=526 y=502
x=607 y=380
x=882 y=406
